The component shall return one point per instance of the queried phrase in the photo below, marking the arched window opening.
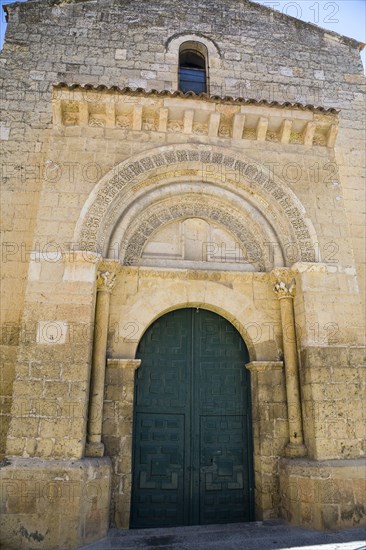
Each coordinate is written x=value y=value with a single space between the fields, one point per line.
x=192 y=71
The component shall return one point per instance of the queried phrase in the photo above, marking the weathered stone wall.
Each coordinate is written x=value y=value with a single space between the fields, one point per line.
x=136 y=45
x=334 y=421
x=270 y=434
x=59 y=505
x=117 y=435
x=330 y=343
x=51 y=387
x=64 y=157
x=327 y=494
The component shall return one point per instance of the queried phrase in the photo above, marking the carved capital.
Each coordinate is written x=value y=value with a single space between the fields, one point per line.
x=284 y=282
x=284 y=274
x=106 y=274
x=106 y=281
x=285 y=290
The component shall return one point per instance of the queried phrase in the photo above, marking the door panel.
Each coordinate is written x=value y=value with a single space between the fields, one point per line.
x=191 y=443
x=223 y=480
x=159 y=448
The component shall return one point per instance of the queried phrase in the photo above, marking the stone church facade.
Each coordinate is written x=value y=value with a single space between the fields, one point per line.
x=183 y=273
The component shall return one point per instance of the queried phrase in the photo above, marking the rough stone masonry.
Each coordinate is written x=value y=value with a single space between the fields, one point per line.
x=124 y=198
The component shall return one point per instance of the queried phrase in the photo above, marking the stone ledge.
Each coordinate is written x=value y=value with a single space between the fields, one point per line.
x=300 y=465
x=262 y=366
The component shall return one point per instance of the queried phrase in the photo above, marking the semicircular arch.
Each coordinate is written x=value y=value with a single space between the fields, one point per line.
x=174 y=42
x=250 y=236
x=179 y=292
x=213 y=167
x=240 y=327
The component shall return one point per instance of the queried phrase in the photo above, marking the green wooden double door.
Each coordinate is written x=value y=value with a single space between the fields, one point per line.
x=192 y=458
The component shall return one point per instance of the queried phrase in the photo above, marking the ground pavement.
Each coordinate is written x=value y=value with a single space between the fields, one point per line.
x=269 y=535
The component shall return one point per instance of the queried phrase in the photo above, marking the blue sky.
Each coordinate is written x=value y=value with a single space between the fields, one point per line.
x=347 y=17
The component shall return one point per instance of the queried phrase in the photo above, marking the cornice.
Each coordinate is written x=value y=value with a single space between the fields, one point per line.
x=201 y=115
x=142 y=92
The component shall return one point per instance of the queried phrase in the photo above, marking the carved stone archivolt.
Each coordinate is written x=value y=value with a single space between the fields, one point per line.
x=251 y=242
x=212 y=165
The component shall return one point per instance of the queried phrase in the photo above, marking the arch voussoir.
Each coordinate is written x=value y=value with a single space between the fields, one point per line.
x=214 y=168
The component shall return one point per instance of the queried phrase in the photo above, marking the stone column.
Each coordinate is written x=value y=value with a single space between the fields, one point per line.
x=285 y=290
x=105 y=283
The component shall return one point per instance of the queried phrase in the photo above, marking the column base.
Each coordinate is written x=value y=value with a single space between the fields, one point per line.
x=54 y=504
x=295 y=450
x=95 y=450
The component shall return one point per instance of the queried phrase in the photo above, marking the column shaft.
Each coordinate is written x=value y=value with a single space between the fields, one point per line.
x=291 y=371
x=285 y=290
x=97 y=378
x=94 y=446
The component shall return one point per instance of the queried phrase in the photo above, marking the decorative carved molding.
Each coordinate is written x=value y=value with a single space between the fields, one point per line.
x=154 y=113
x=70 y=118
x=175 y=126
x=302 y=267
x=193 y=275
x=251 y=241
x=284 y=282
x=149 y=124
x=208 y=164
x=225 y=130
x=285 y=290
x=200 y=129
x=124 y=121
x=285 y=274
x=105 y=281
x=106 y=264
x=97 y=121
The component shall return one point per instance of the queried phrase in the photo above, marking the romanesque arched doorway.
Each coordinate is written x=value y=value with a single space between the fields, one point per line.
x=192 y=457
